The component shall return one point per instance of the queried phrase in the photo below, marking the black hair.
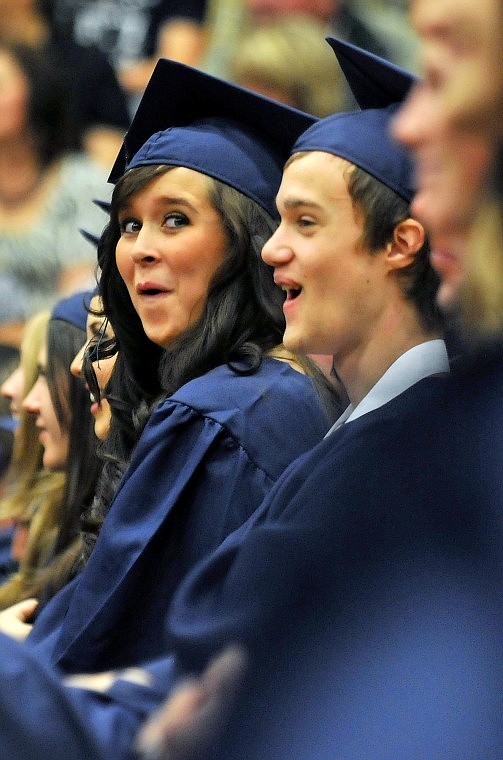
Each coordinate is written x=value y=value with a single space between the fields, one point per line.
x=383 y=210
x=51 y=114
x=129 y=413
x=243 y=314
x=71 y=404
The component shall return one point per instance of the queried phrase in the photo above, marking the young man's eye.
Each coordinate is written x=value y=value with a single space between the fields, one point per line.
x=175 y=220
x=306 y=221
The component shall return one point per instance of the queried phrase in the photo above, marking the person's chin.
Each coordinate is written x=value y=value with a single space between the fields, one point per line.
x=448 y=294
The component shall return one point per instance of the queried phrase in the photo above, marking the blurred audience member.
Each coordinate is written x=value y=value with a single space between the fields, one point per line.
x=286 y=59
x=135 y=34
x=231 y=23
x=29 y=487
x=91 y=83
x=46 y=186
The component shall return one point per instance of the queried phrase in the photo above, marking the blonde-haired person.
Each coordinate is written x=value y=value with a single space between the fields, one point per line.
x=286 y=59
x=32 y=492
x=62 y=433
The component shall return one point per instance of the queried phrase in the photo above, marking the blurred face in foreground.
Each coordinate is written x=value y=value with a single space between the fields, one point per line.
x=448 y=123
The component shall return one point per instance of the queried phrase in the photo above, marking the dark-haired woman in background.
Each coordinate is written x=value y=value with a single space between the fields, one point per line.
x=46 y=184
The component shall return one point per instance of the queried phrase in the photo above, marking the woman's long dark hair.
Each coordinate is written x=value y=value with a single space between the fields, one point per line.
x=51 y=114
x=243 y=314
x=71 y=403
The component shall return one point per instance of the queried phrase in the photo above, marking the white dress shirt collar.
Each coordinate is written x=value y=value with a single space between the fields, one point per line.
x=423 y=360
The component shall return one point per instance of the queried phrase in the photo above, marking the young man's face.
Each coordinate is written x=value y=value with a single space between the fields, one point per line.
x=441 y=122
x=334 y=288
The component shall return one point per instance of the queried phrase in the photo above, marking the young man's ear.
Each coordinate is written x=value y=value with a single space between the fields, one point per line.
x=408 y=238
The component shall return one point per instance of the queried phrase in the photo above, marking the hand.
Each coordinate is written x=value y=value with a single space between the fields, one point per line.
x=196 y=711
x=13 y=619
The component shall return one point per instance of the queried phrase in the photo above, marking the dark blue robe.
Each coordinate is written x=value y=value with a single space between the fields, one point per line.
x=204 y=463
x=411 y=489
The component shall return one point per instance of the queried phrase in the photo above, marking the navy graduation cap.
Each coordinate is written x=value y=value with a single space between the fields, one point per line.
x=189 y=118
x=74 y=309
x=363 y=137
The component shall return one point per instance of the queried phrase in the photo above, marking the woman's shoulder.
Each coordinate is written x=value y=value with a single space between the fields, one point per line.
x=225 y=387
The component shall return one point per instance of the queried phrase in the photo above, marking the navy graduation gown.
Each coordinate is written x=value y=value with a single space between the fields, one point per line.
x=418 y=472
x=369 y=589
x=397 y=486
x=204 y=463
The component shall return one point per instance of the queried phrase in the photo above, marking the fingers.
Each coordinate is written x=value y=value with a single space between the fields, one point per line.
x=195 y=712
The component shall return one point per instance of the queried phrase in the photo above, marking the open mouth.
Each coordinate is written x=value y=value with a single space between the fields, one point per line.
x=150 y=289
x=151 y=292
x=292 y=293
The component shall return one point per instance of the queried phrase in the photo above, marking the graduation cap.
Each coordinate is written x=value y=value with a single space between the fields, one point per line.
x=189 y=118
x=374 y=82
x=74 y=309
x=363 y=137
x=91 y=237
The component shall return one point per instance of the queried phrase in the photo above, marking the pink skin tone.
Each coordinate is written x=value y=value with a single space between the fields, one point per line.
x=340 y=300
x=13 y=389
x=102 y=369
x=172 y=242
x=54 y=440
x=452 y=156
x=13 y=98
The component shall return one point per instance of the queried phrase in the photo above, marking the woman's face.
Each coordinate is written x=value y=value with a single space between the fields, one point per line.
x=54 y=439
x=13 y=389
x=172 y=242
x=97 y=328
x=14 y=92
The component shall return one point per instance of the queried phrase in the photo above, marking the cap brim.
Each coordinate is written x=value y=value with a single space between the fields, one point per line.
x=374 y=82
x=178 y=95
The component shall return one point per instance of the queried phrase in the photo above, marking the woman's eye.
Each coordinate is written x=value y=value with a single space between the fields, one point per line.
x=128 y=226
x=173 y=221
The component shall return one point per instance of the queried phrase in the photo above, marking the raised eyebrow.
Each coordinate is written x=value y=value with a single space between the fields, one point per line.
x=164 y=200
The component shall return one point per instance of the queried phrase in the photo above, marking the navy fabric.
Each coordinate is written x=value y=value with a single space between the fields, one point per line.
x=362 y=137
x=73 y=309
x=374 y=546
x=388 y=534
x=7 y=564
x=189 y=118
x=221 y=150
x=204 y=463
x=374 y=82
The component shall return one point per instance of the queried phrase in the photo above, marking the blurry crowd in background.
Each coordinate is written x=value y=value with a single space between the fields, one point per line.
x=71 y=75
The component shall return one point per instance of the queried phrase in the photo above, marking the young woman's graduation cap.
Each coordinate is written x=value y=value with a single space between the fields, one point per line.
x=189 y=118
x=363 y=137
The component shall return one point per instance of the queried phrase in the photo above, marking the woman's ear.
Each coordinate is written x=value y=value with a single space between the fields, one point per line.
x=408 y=238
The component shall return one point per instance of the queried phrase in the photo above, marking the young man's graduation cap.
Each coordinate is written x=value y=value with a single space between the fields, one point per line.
x=363 y=137
x=189 y=118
